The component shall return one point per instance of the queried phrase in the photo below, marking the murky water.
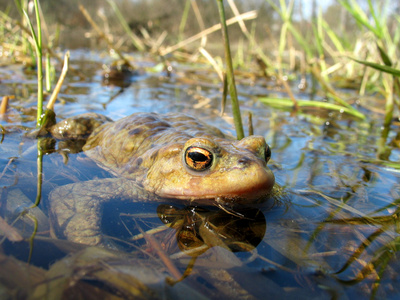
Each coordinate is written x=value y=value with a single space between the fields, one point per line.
x=334 y=234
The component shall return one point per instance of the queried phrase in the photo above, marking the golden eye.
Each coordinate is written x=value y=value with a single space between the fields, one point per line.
x=267 y=153
x=198 y=159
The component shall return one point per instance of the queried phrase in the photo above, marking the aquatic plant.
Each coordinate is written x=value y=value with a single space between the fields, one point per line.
x=230 y=77
x=37 y=38
x=386 y=46
x=377 y=44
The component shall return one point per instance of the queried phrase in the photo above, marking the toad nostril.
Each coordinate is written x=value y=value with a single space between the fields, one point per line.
x=243 y=160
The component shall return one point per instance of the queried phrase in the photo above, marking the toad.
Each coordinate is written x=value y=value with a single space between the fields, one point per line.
x=156 y=157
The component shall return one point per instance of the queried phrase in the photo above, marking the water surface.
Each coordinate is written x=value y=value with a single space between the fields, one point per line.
x=334 y=233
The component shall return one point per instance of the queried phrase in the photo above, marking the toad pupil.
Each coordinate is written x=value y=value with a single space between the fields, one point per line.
x=198 y=158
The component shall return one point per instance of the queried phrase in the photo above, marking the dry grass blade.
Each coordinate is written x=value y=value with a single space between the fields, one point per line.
x=149 y=232
x=237 y=14
x=338 y=204
x=135 y=39
x=9 y=232
x=160 y=252
x=6 y=167
x=200 y=21
x=289 y=92
x=57 y=89
x=157 y=44
x=103 y=36
x=4 y=104
x=246 y=16
x=213 y=63
x=250 y=123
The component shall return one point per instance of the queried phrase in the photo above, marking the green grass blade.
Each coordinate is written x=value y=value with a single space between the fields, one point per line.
x=38 y=45
x=32 y=30
x=378 y=26
x=396 y=36
x=318 y=33
x=282 y=40
x=304 y=44
x=184 y=18
x=379 y=67
x=230 y=74
x=38 y=25
x=286 y=103
x=332 y=35
x=19 y=6
x=355 y=10
x=276 y=8
x=135 y=39
x=385 y=58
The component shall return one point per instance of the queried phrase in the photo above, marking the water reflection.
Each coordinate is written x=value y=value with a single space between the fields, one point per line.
x=118 y=75
x=199 y=229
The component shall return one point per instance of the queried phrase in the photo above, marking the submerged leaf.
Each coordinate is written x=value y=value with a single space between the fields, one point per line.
x=95 y=273
x=18 y=276
x=8 y=231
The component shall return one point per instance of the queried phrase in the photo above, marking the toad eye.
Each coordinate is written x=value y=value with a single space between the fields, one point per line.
x=198 y=159
x=267 y=153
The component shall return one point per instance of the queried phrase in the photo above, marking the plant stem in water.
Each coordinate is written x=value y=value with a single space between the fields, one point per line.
x=229 y=73
x=39 y=65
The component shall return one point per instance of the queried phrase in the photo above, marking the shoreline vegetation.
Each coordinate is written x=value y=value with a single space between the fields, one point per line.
x=271 y=39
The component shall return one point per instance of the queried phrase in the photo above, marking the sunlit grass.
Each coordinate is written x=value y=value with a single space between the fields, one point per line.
x=37 y=38
x=287 y=103
x=386 y=54
x=327 y=57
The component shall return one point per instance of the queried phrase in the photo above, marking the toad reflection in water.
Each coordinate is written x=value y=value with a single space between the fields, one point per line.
x=158 y=158
x=199 y=229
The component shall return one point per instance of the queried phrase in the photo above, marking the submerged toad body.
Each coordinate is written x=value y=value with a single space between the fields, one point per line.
x=157 y=157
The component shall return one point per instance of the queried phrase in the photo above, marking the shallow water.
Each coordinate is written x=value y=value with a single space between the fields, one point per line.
x=334 y=233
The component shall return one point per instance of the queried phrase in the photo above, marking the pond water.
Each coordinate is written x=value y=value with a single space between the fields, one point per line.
x=333 y=233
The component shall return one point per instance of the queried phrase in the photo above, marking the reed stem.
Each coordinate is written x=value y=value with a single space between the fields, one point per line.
x=230 y=75
x=39 y=65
